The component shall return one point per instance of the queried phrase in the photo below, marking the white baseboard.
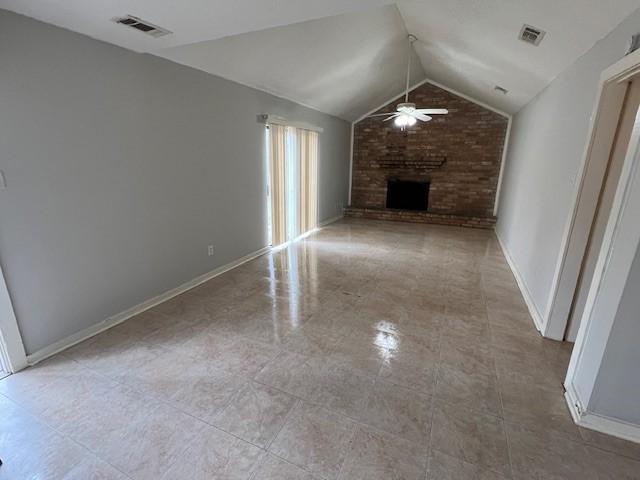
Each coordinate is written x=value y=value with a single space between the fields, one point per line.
x=89 y=332
x=599 y=423
x=575 y=405
x=533 y=310
x=330 y=220
x=82 y=335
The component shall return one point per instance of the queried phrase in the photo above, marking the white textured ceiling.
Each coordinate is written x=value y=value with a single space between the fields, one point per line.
x=189 y=20
x=472 y=45
x=341 y=65
x=346 y=57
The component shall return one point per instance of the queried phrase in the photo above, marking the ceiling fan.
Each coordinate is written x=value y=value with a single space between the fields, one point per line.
x=406 y=114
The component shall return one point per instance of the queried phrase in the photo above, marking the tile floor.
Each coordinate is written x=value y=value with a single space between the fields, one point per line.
x=369 y=351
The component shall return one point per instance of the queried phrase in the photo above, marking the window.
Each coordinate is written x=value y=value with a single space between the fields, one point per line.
x=293 y=182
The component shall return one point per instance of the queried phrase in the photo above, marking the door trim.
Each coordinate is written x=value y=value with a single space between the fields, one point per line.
x=14 y=357
x=619 y=246
x=608 y=104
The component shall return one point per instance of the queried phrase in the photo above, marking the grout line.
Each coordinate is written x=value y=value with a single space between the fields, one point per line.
x=144 y=394
x=499 y=386
x=41 y=420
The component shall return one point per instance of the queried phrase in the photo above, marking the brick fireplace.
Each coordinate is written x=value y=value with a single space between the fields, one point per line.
x=457 y=155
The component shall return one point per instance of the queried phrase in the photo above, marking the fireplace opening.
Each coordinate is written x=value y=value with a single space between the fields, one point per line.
x=407 y=195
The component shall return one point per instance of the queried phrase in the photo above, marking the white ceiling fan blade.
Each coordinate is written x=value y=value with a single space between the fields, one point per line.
x=420 y=116
x=381 y=114
x=433 y=111
x=392 y=117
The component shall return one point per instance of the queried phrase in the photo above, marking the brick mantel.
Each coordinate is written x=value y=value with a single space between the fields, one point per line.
x=459 y=154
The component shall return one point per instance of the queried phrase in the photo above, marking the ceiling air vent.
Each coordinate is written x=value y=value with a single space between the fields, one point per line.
x=531 y=35
x=142 y=26
x=500 y=89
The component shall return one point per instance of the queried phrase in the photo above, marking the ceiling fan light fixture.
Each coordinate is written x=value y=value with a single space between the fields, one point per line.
x=406 y=114
x=405 y=121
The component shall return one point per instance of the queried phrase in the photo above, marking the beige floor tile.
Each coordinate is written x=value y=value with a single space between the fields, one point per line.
x=201 y=344
x=478 y=390
x=215 y=455
x=148 y=447
x=312 y=340
x=164 y=375
x=296 y=374
x=113 y=355
x=103 y=422
x=366 y=352
x=522 y=369
x=75 y=388
x=461 y=329
x=274 y=468
x=344 y=390
x=245 y=357
x=610 y=466
x=414 y=350
x=376 y=455
x=176 y=335
x=315 y=439
x=445 y=467
x=517 y=344
x=355 y=322
x=421 y=378
x=542 y=454
x=421 y=322
x=31 y=450
x=469 y=357
x=537 y=407
x=471 y=436
x=92 y=468
x=271 y=328
x=205 y=391
x=256 y=413
x=611 y=444
x=398 y=411
x=342 y=322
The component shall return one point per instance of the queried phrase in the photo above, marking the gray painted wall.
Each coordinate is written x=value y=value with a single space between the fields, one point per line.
x=546 y=147
x=121 y=169
x=616 y=392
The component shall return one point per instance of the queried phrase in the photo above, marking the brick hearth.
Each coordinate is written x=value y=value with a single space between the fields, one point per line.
x=414 y=216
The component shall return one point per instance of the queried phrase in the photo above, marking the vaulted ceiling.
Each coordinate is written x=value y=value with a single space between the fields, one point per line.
x=346 y=57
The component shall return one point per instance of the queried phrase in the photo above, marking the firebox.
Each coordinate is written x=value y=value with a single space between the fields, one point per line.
x=407 y=195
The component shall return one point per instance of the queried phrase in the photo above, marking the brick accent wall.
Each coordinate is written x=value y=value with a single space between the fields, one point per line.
x=459 y=154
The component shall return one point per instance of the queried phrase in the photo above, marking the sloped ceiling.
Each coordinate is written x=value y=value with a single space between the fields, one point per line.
x=472 y=45
x=346 y=57
x=190 y=20
x=341 y=65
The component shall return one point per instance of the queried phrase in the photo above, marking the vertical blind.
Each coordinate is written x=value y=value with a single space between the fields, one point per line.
x=278 y=179
x=308 y=180
x=293 y=173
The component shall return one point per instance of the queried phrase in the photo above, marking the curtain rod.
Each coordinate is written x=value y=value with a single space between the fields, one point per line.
x=267 y=119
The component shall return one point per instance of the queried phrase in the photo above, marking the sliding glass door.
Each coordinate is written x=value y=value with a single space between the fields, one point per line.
x=293 y=182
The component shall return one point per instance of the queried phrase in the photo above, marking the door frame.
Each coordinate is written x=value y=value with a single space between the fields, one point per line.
x=603 y=125
x=620 y=244
x=14 y=357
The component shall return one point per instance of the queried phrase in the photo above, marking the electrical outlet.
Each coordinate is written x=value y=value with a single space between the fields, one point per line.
x=210 y=250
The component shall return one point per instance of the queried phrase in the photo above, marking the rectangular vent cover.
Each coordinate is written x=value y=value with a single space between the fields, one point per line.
x=142 y=26
x=531 y=35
